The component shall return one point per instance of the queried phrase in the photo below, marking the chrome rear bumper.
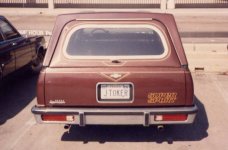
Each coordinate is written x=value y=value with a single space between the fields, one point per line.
x=115 y=116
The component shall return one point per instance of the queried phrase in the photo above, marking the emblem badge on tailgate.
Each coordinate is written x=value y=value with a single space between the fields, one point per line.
x=162 y=98
x=115 y=76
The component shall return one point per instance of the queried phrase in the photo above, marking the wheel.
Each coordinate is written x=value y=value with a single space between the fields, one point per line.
x=36 y=64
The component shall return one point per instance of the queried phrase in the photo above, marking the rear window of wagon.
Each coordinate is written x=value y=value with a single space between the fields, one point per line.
x=118 y=41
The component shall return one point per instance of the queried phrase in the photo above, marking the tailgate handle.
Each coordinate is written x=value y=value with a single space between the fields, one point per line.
x=116 y=61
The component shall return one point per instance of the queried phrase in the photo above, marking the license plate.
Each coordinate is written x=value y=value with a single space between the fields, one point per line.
x=115 y=92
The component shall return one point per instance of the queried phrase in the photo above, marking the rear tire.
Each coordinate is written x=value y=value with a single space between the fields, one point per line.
x=37 y=63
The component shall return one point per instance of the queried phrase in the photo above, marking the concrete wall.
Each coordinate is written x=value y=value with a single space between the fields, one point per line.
x=157 y=4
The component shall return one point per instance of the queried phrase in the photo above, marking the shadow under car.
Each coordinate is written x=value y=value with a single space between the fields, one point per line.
x=192 y=132
x=16 y=92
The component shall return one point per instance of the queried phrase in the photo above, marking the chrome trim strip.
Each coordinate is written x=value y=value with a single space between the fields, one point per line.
x=115 y=19
x=65 y=110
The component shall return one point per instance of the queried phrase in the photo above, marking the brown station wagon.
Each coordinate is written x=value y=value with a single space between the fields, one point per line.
x=115 y=69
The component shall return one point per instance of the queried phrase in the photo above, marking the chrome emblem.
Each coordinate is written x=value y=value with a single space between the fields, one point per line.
x=57 y=101
x=116 y=75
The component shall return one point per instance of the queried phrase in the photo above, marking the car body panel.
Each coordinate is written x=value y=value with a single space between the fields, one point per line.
x=79 y=86
x=7 y=58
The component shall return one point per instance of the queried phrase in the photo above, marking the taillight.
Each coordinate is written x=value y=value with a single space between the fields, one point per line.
x=171 y=117
x=68 y=118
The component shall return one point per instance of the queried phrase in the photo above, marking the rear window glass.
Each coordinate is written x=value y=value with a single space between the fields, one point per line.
x=119 y=41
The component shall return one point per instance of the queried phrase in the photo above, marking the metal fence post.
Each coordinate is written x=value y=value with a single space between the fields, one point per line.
x=171 y=4
x=51 y=4
x=163 y=4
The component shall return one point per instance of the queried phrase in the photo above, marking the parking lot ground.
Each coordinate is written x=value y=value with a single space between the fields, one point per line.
x=19 y=131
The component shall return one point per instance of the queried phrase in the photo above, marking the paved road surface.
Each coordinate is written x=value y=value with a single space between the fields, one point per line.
x=18 y=130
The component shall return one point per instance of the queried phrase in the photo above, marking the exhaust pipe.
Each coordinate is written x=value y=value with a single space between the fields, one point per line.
x=160 y=128
x=67 y=126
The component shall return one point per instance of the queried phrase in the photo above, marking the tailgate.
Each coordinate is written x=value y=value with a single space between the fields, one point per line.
x=104 y=87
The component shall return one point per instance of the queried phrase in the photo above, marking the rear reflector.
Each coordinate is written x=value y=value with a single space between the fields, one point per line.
x=57 y=118
x=171 y=117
